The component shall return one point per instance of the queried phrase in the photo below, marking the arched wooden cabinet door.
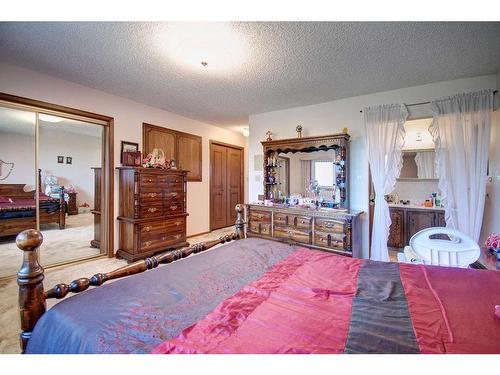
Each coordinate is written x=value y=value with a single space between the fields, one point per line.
x=184 y=148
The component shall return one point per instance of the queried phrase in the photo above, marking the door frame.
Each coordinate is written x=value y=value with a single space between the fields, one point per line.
x=242 y=188
x=107 y=163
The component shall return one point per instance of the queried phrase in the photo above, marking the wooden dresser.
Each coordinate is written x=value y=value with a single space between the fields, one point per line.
x=325 y=229
x=152 y=211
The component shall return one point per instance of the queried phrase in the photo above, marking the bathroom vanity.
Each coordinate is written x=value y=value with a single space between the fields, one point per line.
x=408 y=220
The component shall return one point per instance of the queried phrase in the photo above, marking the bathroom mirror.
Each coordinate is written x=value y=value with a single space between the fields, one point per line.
x=419 y=164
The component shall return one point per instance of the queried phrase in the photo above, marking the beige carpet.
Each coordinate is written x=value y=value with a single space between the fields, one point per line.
x=9 y=315
x=73 y=242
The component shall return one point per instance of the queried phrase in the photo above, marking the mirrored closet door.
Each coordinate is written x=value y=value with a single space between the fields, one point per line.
x=69 y=152
x=51 y=179
x=17 y=183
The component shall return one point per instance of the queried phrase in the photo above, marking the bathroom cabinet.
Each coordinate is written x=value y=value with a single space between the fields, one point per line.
x=406 y=221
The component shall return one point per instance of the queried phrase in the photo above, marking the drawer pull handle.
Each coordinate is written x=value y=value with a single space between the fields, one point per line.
x=163 y=238
x=177 y=236
x=173 y=208
x=147 y=229
x=173 y=194
x=152 y=195
x=152 y=209
x=150 y=180
x=178 y=223
x=147 y=243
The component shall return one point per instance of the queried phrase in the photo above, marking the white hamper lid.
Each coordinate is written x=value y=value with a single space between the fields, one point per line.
x=459 y=252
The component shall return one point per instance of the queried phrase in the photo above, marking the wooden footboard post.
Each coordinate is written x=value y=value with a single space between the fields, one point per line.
x=62 y=210
x=30 y=280
x=240 y=221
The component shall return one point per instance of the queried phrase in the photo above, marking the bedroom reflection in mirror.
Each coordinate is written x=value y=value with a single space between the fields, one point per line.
x=71 y=187
x=17 y=183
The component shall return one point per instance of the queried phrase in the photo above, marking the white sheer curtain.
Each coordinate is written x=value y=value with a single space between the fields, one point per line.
x=306 y=176
x=384 y=126
x=461 y=133
x=425 y=161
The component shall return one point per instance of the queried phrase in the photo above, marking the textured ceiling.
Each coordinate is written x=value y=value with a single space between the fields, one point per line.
x=286 y=65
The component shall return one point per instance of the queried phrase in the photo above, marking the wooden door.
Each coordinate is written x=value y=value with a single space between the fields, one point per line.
x=218 y=184
x=189 y=155
x=440 y=221
x=397 y=229
x=418 y=220
x=234 y=182
x=226 y=183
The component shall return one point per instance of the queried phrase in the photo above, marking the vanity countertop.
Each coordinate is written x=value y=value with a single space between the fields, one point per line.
x=414 y=207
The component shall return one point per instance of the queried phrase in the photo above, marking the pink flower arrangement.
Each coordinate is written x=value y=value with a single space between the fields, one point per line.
x=493 y=241
x=148 y=163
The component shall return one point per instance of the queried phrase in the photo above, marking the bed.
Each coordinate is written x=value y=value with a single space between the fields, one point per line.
x=260 y=296
x=18 y=209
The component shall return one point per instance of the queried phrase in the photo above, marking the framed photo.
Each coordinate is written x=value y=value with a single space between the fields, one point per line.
x=69 y=160
x=60 y=159
x=128 y=147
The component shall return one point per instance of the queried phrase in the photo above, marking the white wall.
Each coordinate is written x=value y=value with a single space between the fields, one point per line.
x=415 y=190
x=128 y=116
x=85 y=152
x=20 y=150
x=331 y=117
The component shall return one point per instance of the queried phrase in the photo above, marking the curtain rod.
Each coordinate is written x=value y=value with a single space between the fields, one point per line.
x=429 y=102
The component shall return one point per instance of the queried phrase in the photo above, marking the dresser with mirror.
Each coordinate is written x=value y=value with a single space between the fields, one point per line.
x=305 y=200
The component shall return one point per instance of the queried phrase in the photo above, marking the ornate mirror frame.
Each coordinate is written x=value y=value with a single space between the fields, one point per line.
x=338 y=142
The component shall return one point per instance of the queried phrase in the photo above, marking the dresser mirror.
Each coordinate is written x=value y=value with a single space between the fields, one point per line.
x=312 y=168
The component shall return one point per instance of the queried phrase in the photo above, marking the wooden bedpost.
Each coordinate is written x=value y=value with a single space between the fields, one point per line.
x=240 y=221
x=62 y=209
x=30 y=280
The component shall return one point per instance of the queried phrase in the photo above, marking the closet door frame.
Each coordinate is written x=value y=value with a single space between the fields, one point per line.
x=107 y=123
x=242 y=178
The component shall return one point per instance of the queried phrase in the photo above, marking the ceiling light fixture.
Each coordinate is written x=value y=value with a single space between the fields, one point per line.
x=189 y=43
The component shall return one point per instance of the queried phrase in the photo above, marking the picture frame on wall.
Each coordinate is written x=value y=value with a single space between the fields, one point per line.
x=130 y=154
x=127 y=146
x=69 y=160
x=60 y=159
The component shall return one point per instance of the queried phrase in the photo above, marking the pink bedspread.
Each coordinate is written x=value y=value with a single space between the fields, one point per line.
x=280 y=313
x=316 y=302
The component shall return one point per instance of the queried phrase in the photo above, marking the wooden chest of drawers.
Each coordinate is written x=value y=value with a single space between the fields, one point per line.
x=152 y=211
x=336 y=231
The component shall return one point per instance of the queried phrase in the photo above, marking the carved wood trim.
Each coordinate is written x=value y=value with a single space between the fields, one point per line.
x=298 y=144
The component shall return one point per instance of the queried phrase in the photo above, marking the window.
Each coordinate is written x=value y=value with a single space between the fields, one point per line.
x=323 y=171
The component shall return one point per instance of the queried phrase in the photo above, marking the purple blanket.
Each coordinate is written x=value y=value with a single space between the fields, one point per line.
x=135 y=314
